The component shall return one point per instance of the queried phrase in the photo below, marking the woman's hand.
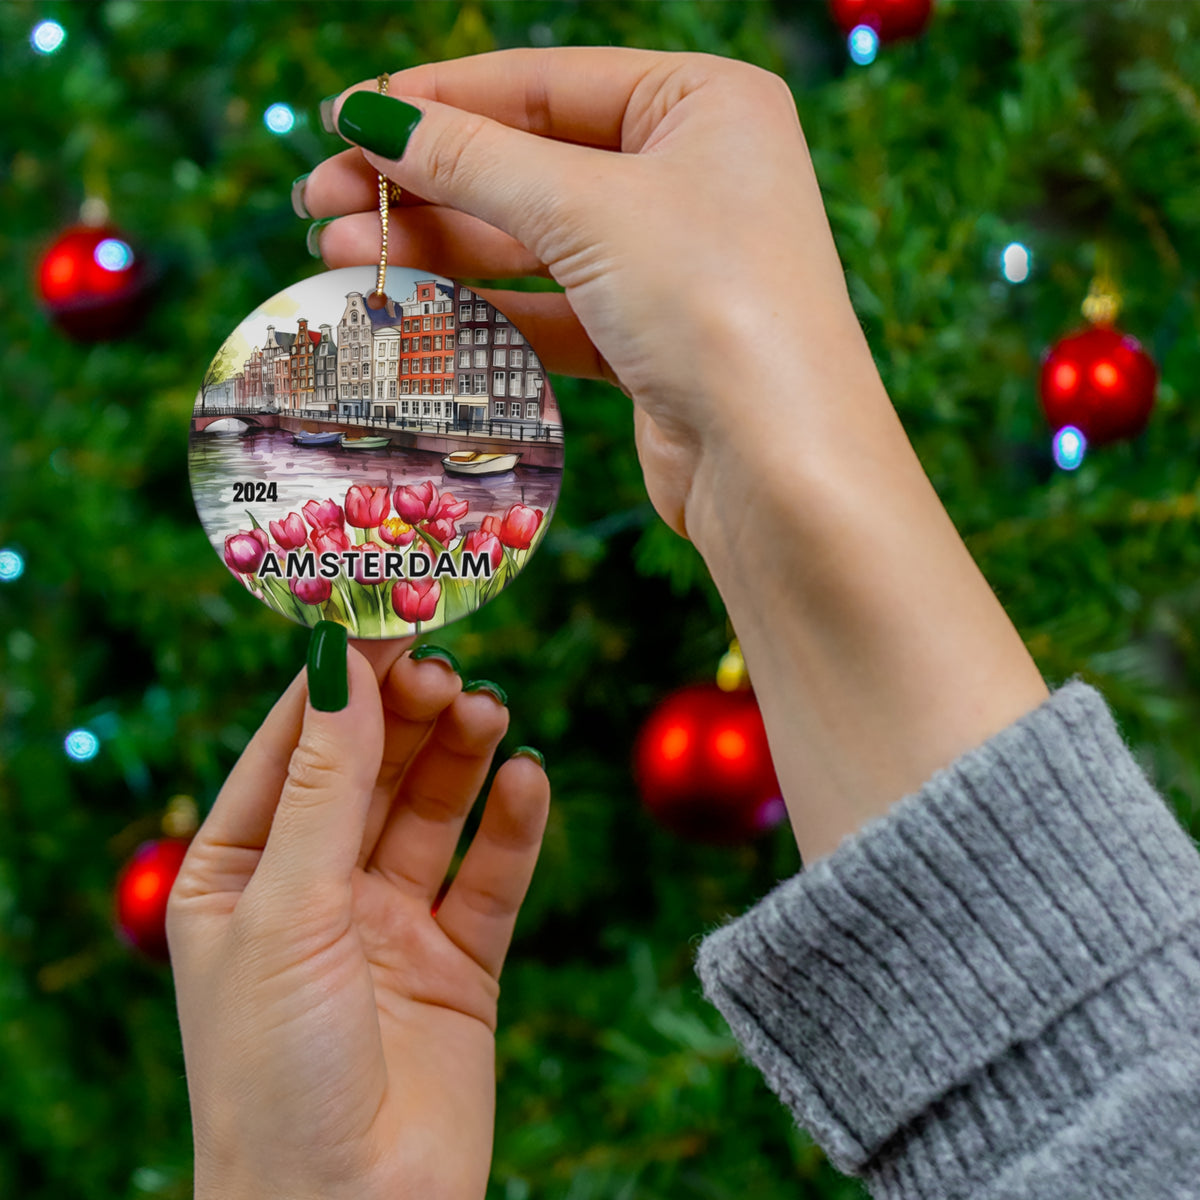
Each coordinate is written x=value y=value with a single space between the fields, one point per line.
x=338 y=1036
x=698 y=263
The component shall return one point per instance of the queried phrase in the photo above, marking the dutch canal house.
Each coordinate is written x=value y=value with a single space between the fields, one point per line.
x=356 y=334
x=277 y=348
x=426 y=366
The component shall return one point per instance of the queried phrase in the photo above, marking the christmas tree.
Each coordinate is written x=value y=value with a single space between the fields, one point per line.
x=1063 y=132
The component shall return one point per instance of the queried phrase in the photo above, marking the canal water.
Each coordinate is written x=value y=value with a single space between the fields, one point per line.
x=219 y=460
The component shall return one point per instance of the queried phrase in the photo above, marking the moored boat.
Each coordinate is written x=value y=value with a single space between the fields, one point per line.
x=364 y=443
x=303 y=438
x=476 y=462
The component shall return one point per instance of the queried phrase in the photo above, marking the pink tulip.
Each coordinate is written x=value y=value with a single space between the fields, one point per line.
x=319 y=516
x=416 y=599
x=290 y=532
x=480 y=542
x=334 y=538
x=519 y=526
x=396 y=532
x=416 y=502
x=374 y=552
x=491 y=525
x=366 y=506
x=245 y=549
x=311 y=591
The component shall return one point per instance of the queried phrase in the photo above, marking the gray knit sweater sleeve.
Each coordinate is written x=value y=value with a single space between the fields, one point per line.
x=994 y=990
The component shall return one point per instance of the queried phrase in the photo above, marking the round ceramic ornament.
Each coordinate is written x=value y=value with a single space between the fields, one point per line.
x=387 y=460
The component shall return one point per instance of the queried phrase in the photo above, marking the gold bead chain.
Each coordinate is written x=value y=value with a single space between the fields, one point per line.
x=388 y=191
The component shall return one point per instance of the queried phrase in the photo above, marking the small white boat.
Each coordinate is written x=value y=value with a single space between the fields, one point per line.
x=475 y=462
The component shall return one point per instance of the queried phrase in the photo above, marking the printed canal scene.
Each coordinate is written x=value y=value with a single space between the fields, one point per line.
x=390 y=468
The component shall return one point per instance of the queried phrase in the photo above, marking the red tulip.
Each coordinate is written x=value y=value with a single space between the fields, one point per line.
x=373 y=551
x=290 y=532
x=416 y=599
x=491 y=525
x=319 y=516
x=366 y=506
x=311 y=591
x=334 y=538
x=450 y=509
x=396 y=532
x=519 y=526
x=416 y=502
x=244 y=550
x=480 y=542
x=443 y=529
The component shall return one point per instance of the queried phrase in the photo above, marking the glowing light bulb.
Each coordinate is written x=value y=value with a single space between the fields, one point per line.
x=1016 y=263
x=113 y=255
x=47 y=37
x=82 y=745
x=1069 y=447
x=279 y=119
x=863 y=43
x=730 y=745
x=674 y=743
x=12 y=566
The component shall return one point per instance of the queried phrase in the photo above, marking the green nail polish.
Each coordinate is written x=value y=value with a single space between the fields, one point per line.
x=530 y=752
x=486 y=685
x=313 y=238
x=442 y=655
x=326 y=111
x=328 y=685
x=298 y=197
x=378 y=123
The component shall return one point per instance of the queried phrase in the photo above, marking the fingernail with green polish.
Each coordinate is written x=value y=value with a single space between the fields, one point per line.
x=328 y=685
x=378 y=123
x=298 y=197
x=486 y=685
x=442 y=655
x=326 y=111
x=530 y=752
x=313 y=238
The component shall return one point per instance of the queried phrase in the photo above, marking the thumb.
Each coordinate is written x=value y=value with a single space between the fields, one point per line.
x=521 y=183
x=317 y=830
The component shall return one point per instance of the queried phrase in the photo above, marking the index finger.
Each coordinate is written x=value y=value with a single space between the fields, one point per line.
x=578 y=94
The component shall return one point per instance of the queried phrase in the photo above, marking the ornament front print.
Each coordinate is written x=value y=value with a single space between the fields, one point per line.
x=390 y=468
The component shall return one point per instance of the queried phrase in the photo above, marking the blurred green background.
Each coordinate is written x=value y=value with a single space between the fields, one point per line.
x=1069 y=127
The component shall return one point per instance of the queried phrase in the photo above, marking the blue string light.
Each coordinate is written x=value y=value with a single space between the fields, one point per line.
x=863 y=44
x=47 y=37
x=113 y=254
x=82 y=745
x=1016 y=262
x=12 y=566
x=279 y=119
x=1069 y=447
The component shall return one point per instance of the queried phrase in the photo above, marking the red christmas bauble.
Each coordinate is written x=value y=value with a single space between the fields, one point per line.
x=704 y=769
x=142 y=890
x=92 y=283
x=1101 y=381
x=891 y=19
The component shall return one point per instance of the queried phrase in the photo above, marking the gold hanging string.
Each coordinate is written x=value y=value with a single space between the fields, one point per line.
x=389 y=193
x=1103 y=303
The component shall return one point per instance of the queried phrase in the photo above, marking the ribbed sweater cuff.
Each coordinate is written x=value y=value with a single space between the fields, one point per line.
x=951 y=934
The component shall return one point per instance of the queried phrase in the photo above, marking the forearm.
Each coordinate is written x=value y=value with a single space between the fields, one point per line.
x=877 y=649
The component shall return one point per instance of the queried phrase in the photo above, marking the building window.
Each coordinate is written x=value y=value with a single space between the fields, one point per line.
x=500 y=316
x=354 y=317
x=481 y=337
x=499 y=357
x=404 y=390
x=500 y=337
x=426 y=323
x=449 y=322
x=479 y=385
x=498 y=409
x=354 y=370
x=498 y=382
x=437 y=366
x=426 y=343
x=517 y=338
x=518 y=358
x=532 y=361
x=462 y=385
x=515 y=409
x=531 y=410
x=464 y=337
x=345 y=372
x=464 y=313
x=393 y=348
x=407 y=325
x=481 y=312
x=425 y=407
x=405 y=345
x=425 y=366
x=404 y=408
x=533 y=384
x=514 y=384
x=437 y=343
x=437 y=321
x=391 y=389
x=464 y=293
